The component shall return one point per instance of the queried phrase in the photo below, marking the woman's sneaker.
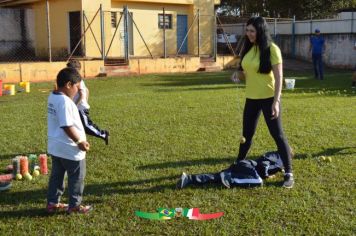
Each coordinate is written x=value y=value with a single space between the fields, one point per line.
x=55 y=207
x=80 y=209
x=288 y=181
x=225 y=179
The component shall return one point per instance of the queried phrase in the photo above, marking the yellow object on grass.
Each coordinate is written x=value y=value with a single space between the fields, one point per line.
x=9 y=89
x=25 y=85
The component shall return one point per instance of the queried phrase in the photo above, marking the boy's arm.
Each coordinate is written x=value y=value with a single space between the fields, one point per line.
x=87 y=93
x=72 y=133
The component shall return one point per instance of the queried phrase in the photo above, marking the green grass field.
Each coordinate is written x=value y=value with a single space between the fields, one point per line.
x=162 y=125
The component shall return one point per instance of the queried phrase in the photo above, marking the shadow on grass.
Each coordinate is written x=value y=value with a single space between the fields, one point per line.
x=20 y=198
x=97 y=190
x=34 y=212
x=336 y=83
x=124 y=188
x=180 y=80
x=10 y=156
x=197 y=89
x=178 y=164
x=146 y=185
x=327 y=152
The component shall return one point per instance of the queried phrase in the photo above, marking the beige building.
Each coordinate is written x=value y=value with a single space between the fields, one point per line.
x=91 y=25
x=41 y=35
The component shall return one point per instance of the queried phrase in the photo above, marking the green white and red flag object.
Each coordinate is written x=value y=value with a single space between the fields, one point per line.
x=167 y=214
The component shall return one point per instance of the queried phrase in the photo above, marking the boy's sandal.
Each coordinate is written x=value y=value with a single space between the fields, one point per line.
x=80 y=209
x=54 y=207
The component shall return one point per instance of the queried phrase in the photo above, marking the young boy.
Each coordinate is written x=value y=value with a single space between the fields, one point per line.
x=66 y=144
x=81 y=99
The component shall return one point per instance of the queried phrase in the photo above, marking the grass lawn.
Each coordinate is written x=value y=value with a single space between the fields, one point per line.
x=162 y=125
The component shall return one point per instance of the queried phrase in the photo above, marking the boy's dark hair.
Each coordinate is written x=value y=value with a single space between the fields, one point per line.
x=74 y=64
x=68 y=75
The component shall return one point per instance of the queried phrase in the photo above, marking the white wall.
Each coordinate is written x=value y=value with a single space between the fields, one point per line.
x=344 y=22
x=339 y=34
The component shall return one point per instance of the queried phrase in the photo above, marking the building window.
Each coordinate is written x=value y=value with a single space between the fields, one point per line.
x=168 y=21
x=113 y=19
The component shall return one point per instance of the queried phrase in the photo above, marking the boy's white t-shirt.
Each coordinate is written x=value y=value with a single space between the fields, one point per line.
x=62 y=112
x=83 y=103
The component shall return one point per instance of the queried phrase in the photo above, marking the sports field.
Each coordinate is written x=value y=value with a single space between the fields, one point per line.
x=162 y=125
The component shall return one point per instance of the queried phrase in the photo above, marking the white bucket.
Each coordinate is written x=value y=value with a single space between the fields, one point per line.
x=289 y=83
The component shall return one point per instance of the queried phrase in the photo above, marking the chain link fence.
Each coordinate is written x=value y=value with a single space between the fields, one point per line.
x=17 y=41
x=290 y=35
x=108 y=35
x=234 y=34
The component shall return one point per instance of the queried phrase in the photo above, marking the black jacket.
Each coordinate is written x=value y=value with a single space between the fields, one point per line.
x=250 y=173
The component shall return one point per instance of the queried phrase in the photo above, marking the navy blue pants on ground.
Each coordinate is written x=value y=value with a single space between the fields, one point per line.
x=200 y=179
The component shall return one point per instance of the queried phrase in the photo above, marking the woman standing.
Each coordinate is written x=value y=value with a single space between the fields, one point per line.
x=261 y=66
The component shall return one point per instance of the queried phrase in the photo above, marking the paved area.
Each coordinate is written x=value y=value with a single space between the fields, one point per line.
x=296 y=65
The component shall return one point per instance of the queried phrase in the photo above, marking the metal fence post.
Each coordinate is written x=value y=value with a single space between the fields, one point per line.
x=198 y=32
x=275 y=28
x=102 y=32
x=352 y=22
x=215 y=37
x=164 y=34
x=293 y=37
x=83 y=33
x=126 y=34
x=49 y=32
x=311 y=23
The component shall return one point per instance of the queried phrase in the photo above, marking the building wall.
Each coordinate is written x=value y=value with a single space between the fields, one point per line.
x=93 y=35
x=59 y=26
x=47 y=71
x=16 y=39
x=207 y=26
x=160 y=1
x=145 y=16
x=43 y=71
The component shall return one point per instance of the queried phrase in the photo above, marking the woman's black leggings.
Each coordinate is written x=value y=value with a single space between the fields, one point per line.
x=252 y=111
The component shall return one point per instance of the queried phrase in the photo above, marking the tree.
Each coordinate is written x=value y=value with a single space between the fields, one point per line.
x=302 y=9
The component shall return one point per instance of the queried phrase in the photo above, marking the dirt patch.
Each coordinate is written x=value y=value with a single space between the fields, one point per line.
x=296 y=65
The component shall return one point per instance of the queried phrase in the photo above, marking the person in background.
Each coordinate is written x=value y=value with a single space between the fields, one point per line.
x=81 y=99
x=317 y=48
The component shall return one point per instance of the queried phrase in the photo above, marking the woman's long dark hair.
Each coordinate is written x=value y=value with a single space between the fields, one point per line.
x=263 y=41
